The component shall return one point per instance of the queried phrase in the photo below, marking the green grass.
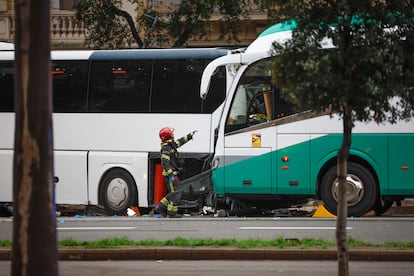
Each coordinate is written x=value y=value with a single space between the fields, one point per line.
x=279 y=242
x=4 y=243
x=184 y=242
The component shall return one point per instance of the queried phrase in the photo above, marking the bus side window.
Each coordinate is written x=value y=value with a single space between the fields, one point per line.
x=69 y=85
x=120 y=86
x=256 y=100
x=217 y=91
x=176 y=86
x=260 y=108
x=252 y=104
x=6 y=87
x=268 y=106
x=237 y=117
x=283 y=110
x=282 y=107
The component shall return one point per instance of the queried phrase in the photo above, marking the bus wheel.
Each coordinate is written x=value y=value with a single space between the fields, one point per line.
x=117 y=191
x=361 y=190
x=383 y=206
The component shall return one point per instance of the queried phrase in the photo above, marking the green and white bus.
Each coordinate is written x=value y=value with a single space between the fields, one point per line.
x=268 y=156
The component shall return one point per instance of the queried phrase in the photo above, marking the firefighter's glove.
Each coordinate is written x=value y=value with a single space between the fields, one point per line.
x=191 y=134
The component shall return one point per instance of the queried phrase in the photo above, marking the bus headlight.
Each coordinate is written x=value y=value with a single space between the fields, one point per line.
x=215 y=163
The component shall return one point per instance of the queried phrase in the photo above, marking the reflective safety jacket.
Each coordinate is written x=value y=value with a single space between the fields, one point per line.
x=169 y=155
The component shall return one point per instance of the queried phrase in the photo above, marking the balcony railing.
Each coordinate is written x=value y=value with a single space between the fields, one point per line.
x=68 y=33
x=65 y=30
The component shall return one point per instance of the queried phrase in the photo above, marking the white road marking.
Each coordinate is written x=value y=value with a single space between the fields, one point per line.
x=96 y=228
x=289 y=228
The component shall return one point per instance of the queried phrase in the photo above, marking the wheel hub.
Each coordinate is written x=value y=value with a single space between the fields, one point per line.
x=117 y=192
x=354 y=190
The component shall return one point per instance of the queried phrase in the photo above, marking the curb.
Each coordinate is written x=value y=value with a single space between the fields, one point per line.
x=226 y=253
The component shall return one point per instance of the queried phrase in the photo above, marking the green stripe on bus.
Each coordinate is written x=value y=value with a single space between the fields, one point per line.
x=258 y=174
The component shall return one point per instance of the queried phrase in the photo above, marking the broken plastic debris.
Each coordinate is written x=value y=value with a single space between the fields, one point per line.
x=131 y=213
x=208 y=209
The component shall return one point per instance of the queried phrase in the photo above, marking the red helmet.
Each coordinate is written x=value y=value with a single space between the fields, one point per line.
x=166 y=133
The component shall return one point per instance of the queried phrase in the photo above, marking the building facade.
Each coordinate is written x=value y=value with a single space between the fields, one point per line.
x=67 y=33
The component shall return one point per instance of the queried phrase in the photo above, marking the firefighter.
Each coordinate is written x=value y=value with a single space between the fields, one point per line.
x=168 y=206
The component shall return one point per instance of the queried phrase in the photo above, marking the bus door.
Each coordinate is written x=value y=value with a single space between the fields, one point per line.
x=248 y=143
x=247 y=167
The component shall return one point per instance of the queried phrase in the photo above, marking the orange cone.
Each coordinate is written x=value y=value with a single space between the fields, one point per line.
x=321 y=212
x=159 y=186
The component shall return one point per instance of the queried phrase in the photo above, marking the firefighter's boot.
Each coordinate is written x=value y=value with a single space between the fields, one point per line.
x=174 y=215
x=161 y=209
x=172 y=211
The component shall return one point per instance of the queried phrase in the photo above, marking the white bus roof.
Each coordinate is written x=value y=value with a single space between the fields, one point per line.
x=127 y=54
x=260 y=48
x=238 y=58
x=264 y=43
x=62 y=55
x=279 y=32
x=71 y=55
x=6 y=46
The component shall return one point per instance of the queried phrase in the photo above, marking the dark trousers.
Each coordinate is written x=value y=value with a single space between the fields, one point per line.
x=173 y=198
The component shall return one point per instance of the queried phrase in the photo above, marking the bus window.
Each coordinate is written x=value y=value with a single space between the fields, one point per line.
x=176 y=86
x=256 y=101
x=69 y=86
x=282 y=109
x=216 y=92
x=260 y=107
x=120 y=86
x=7 y=87
x=253 y=102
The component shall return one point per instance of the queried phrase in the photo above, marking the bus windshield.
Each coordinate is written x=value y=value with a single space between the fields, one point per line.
x=255 y=100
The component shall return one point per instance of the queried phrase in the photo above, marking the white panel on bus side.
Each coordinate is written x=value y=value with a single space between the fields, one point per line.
x=7 y=131
x=70 y=168
x=128 y=132
x=136 y=163
x=6 y=173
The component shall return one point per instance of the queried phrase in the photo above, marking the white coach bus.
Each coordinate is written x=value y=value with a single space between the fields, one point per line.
x=108 y=107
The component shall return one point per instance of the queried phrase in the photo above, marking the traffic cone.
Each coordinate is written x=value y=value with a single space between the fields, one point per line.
x=321 y=212
x=159 y=187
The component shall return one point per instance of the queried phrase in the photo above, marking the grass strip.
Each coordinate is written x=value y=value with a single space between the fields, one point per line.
x=184 y=242
x=279 y=242
x=5 y=243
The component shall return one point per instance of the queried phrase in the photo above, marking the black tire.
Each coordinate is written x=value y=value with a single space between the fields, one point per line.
x=118 y=192
x=362 y=191
x=383 y=206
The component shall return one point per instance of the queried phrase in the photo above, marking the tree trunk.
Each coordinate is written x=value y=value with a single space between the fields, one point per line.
x=342 y=212
x=131 y=24
x=34 y=227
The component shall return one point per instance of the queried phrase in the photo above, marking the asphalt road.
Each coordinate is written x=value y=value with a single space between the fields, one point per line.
x=218 y=268
x=373 y=230
x=308 y=262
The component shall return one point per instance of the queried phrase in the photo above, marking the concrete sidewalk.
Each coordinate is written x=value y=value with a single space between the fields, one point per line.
x=225 y=253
